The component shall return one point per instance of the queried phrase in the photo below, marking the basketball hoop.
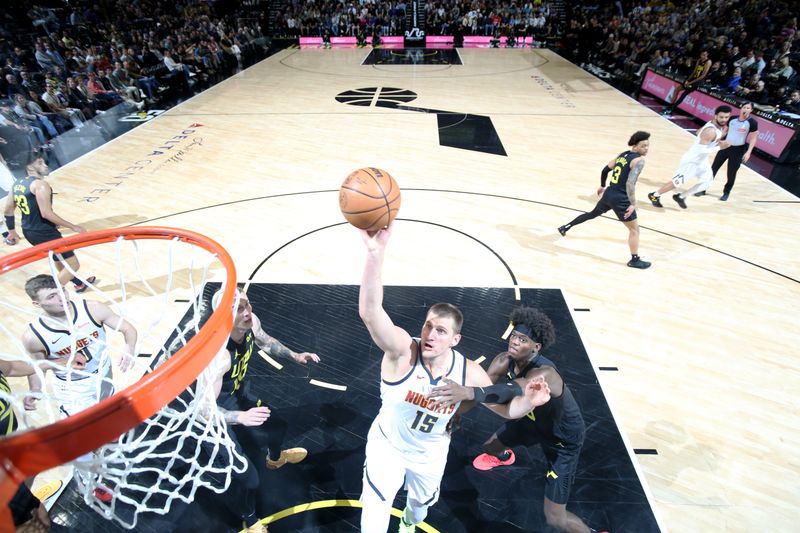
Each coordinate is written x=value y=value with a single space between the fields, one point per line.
x=142 y=404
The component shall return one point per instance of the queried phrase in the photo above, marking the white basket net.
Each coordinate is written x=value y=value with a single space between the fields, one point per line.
x=186 y=444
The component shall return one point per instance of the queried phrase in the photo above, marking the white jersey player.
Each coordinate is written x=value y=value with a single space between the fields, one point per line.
x=695 y=162
x=409 y=438
x=424 y=427
x=65 y=326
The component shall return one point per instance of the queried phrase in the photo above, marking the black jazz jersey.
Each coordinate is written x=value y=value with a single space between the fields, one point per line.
x=559 y=420
x=233 y=380
x=25 y=200
x=621 y=170
x=8 y=422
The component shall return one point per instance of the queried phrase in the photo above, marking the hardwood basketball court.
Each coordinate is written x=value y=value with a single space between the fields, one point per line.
x=702 y=345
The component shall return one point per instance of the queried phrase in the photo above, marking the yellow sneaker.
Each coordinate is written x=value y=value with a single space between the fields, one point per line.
x=292 y=455
x=48 y=490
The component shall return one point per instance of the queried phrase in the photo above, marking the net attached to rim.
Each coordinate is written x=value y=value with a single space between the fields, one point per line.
x=160 y=436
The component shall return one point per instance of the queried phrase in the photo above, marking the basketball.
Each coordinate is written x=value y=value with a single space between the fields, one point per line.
x=369 y=198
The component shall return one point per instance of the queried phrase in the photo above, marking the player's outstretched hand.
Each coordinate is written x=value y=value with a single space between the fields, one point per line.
x=537 y=391
x=377 y=240
x=305 y=357
x=450 y=394
x=254 y=416
x=600 y=191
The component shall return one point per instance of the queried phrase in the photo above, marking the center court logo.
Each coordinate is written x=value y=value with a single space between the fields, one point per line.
x=174 y=150
x=456 y=130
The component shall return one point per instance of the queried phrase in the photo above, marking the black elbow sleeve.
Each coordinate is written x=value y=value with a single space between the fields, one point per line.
x=500 y=393
x=604 y=175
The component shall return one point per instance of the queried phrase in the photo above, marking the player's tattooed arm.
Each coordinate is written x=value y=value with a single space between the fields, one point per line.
x=271 y=345
x=231 y=417
x=255 y=416
x=274 y=348
x=630 y=185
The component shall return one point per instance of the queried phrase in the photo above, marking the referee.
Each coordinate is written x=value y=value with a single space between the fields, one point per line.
x=742 y=136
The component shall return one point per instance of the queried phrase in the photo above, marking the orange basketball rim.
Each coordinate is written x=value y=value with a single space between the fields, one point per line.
x=30 y=452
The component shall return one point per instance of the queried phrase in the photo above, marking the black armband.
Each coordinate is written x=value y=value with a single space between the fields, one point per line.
x=10 y=222
x=501 y=393
x=604 y=175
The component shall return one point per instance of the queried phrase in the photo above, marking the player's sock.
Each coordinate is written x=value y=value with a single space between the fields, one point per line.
x=634 y=257
x=656 y=194
x=505 y=455
x=406 y=527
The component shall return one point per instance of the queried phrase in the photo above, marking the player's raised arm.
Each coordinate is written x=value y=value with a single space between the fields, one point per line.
x=394 y=341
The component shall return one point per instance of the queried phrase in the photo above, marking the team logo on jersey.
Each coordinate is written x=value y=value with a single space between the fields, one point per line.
x=80 y=344
x=420 y=400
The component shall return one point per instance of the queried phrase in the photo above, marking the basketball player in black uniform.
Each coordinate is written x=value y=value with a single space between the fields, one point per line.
x=620 y=195
x=247 y=413
x=692 y=83
x=34 y=198
x=557 y=425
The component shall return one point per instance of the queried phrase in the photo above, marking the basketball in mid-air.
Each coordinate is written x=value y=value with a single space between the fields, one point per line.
x=369 y=198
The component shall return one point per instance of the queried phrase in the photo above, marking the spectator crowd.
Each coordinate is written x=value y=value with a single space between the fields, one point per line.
x=63 y=66
x=442 y=17
x=752 y=44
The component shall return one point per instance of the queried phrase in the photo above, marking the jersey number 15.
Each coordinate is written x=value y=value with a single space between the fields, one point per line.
x=424 y=422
